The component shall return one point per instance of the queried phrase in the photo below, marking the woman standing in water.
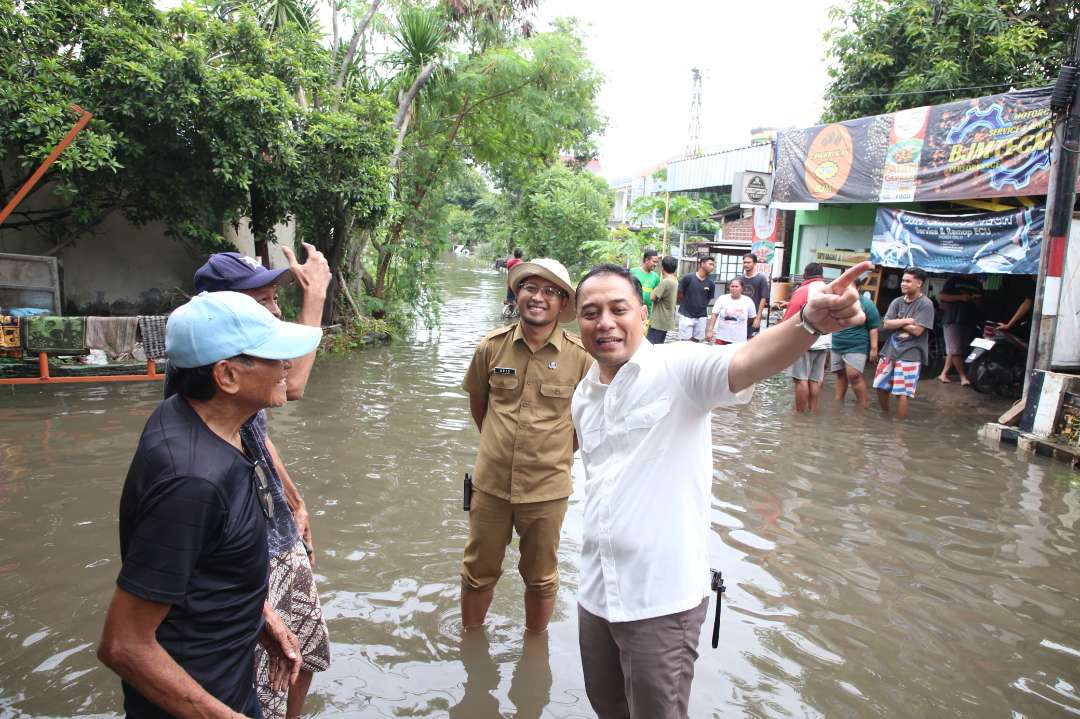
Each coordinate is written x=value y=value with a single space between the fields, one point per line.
x=731 y=313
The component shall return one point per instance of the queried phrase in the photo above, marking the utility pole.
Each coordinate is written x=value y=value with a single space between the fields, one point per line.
x=1061 y=195
x=693 y=143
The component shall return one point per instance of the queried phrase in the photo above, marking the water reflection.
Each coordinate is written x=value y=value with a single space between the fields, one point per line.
x=873 y=567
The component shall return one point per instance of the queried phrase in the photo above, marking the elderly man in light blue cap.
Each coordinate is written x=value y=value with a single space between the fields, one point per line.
x=187 y=612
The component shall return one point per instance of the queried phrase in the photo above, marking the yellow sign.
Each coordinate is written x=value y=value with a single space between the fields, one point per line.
x=841 y=258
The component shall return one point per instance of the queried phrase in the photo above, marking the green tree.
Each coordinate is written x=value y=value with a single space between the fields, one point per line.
x=683 y=213
x=509 y=107
x=563 y=214
x=889 y=55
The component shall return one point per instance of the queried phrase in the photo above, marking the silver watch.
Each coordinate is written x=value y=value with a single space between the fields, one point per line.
x=805 y=323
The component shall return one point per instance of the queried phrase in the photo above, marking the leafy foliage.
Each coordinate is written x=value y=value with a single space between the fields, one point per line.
x=888 y=55
x=683 y=211
x=563 y=214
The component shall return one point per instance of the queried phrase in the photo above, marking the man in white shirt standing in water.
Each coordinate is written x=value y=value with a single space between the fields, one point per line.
x=644 y=582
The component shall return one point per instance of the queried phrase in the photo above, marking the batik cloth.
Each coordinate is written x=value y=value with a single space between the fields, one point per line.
x=293 y=595
x=10 y=340
x=55 y=335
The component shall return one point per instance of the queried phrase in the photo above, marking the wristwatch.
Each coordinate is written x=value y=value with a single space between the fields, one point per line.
x=805 y=324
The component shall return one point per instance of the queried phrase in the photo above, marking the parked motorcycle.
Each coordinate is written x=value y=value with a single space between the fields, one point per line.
x=996 y=361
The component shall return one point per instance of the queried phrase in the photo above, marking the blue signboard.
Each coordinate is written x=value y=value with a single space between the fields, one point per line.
x=987 y=242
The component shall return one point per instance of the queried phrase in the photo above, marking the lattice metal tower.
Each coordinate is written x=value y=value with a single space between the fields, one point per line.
x=693 y=144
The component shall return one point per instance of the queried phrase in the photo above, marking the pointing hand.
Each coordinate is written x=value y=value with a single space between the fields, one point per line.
x=836 y=305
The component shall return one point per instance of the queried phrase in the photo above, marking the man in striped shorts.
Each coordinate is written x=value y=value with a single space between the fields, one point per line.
x=910 y=318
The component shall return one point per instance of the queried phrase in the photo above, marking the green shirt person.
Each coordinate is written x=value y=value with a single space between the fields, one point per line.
x=648 y=276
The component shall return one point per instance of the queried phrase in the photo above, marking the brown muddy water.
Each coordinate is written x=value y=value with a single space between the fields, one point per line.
x=873 y=568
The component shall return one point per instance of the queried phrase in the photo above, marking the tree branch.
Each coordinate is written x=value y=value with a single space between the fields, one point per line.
x=343 y=69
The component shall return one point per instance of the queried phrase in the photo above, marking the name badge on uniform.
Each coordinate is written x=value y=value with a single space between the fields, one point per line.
x=505 y=370
x=552 y=364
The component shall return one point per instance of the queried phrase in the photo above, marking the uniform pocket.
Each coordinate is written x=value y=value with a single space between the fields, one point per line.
x=560 y=391
x=554 y=401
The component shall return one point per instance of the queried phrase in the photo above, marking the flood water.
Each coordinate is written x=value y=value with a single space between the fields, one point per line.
x=874 y=568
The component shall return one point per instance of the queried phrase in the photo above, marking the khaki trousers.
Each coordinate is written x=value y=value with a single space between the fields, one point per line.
x=641 y=669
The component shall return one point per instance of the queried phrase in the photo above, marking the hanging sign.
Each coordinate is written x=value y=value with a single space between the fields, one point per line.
x=763 y=246
x=988 y=242
x=995 y=146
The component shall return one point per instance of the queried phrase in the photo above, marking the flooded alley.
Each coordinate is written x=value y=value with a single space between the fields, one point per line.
x=874 y=568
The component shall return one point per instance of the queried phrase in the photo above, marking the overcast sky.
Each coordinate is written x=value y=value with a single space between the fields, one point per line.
x=762 y=62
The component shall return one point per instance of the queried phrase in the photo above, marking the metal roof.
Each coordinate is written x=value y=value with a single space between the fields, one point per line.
x=716 y=170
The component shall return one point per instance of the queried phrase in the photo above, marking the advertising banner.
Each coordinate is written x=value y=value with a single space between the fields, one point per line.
x=987 y=242
x=996 y=146
x=763 y=246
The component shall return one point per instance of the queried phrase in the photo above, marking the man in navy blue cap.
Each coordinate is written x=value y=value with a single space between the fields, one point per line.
x=188 y=607
x=293 y=599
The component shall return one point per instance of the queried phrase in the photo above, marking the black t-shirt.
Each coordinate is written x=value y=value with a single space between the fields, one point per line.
x=960 y=313
x=193 y=536
x=696 y=294
x=755 y=288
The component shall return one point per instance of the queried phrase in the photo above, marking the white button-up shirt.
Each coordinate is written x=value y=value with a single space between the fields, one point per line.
x=647 y=449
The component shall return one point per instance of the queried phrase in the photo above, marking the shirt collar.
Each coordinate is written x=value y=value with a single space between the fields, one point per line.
x=642 y=356
x=555 y=339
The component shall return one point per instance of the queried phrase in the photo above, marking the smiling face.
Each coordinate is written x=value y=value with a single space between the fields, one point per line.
x=260 y=383
x=267 y=296
x=611 y=317
x=540 y=301
x=650 y=263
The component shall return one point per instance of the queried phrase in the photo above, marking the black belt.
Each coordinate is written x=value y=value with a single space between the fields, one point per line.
x=718 y=587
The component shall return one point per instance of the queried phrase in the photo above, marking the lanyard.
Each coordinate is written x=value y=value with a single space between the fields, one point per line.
x=718 y=587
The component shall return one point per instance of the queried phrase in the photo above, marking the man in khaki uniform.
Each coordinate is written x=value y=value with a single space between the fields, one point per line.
x=520 y=383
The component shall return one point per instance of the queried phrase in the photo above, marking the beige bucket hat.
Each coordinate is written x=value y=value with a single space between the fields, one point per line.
x=551 y=270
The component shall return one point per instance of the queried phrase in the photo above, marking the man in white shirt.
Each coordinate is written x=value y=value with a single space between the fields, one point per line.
x=644 y=581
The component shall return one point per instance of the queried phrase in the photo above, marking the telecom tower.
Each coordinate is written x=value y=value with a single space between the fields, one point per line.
x=693 y=145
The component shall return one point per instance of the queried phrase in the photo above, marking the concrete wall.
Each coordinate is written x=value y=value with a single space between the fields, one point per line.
x=121 y=269
x=118 y=270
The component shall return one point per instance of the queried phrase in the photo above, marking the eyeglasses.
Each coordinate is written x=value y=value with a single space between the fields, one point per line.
x=547 y=290
x=262 y=489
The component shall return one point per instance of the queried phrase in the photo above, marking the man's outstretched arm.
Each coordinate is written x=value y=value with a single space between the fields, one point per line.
x=832 y=308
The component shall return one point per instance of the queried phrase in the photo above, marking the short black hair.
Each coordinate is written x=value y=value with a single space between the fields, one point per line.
x=751 y=255
x=735 y=279
x=518 y=252
x=195 y=382
x=702 y=259
x=670 y=264
x=649 y=252
x=198 y=383
x=609 y=268
x=915 y=272
x=813 y=269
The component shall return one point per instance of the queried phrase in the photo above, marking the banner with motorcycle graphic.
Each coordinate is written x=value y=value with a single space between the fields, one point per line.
x=987 y=242
x=995 y=146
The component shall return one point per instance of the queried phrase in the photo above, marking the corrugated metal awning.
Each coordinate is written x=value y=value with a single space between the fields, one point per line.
x=716 y=170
